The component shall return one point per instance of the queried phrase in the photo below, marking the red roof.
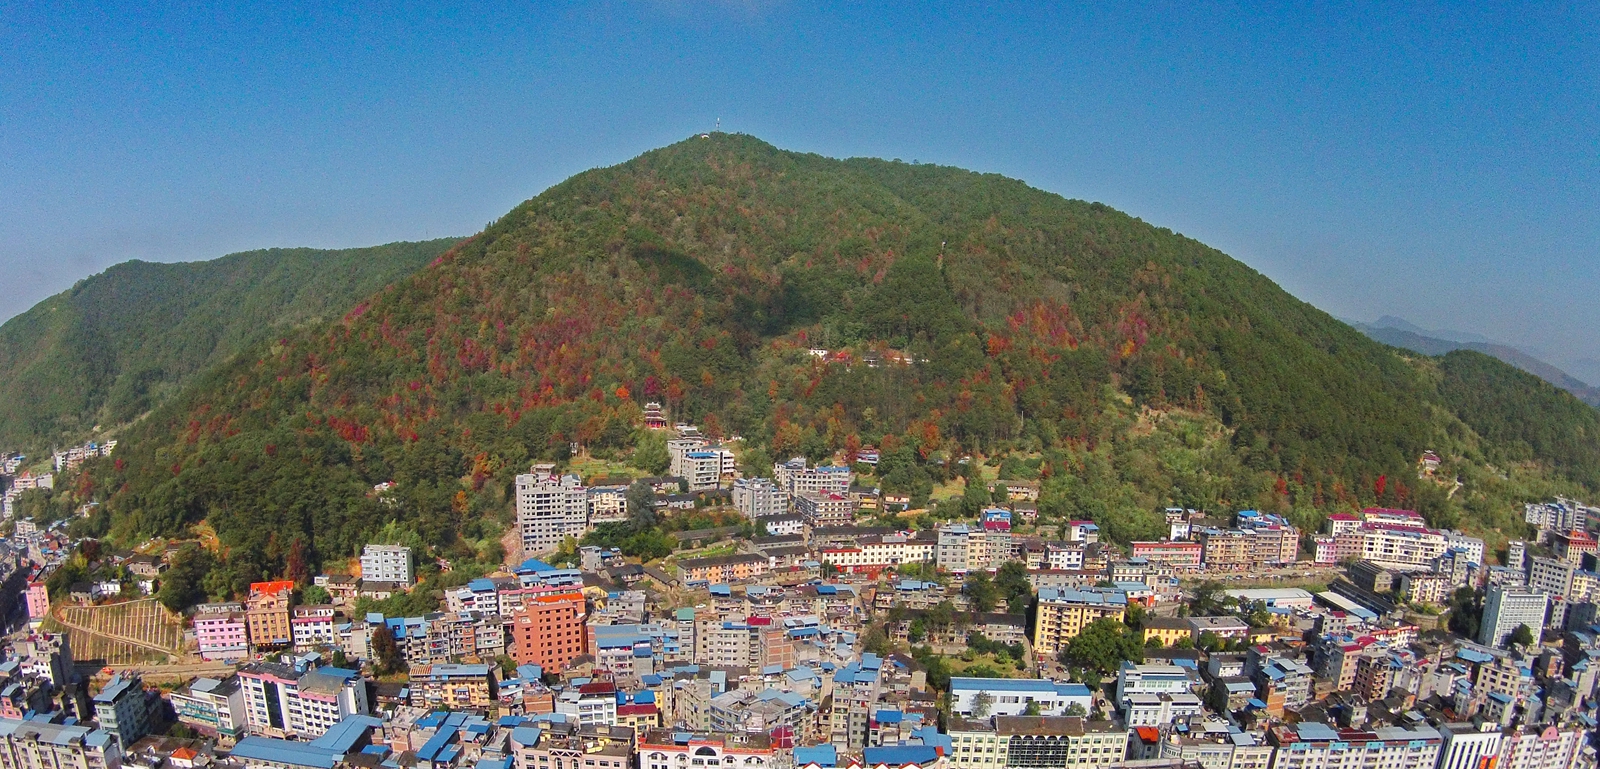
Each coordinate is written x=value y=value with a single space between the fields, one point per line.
x=598 y=687
x=637 y=709
x=271 y=588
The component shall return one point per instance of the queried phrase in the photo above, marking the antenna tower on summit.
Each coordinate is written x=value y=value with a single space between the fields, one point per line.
x=719 y=126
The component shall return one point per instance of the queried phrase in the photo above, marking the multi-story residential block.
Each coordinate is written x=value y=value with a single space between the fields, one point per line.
x=1312 y=745
x=222 y=631
x=875 y=552
x=672 y=749
x=1182 y=555
x=38 y=599
x=33 y=744
x=120 y=709
x=550 y=631
x=1467 y=746
x=1418 y=587
x=1064 y=612
x=825 y=508
x=1282 y=683
x=1064 y=556
x=1516 y=554
x=1398 y=545
x=592 y=703
x=783 y=525
x=212 y=707
x=453 y=687
x=549 y=510
x=764 y=711
x=722 y=568
x=1561 y=515
x=1540 y=747
x=1152 y=678
x=1571 y=546
x=1036 y=741
x=298 y=702
x=1505 y=608
x=1013 y=696
x=387 y=563
x=608 y=503
x=856 y=689
x=313 y=627
x=795 y=478
x=704 y=467
x=267 y=615
x=559 y=744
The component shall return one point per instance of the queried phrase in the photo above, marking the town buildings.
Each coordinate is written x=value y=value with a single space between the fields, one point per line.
x=1505 y=608
x=267 y=614
x=1063 y=613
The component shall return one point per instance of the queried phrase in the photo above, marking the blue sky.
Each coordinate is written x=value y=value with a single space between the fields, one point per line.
x=1436 y=162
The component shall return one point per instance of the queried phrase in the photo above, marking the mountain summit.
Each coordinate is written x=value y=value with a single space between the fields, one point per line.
x=809 y=305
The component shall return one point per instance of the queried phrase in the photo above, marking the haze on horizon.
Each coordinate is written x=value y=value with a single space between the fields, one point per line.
x=1436 y=164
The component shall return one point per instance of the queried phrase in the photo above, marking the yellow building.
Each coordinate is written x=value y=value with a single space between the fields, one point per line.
x=1063 y=613
x=1169 y=629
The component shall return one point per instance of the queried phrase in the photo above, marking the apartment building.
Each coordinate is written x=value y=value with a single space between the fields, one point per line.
x=387 y=563
x=759 y=498
x=28 y=744
x=875 y=552
x=550 y=631
x=121 y=709
x=1505 y=608
x=212 y=707
x=1035 y=741
x=1064 y=612
x=571 y=744
x=299 y=702
x=452 y=687
x=1311 y=745
x=607 y=504
x=222 y=631
x=1181 y=555
x=549 y=510
x=722 y=568
x=672 y=749
x=795 y=478
x=313 y=627
x=826 y=508
x=267 y=614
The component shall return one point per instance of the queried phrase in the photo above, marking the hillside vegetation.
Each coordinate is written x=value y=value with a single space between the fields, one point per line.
x=1126 y=366
x=117 y=344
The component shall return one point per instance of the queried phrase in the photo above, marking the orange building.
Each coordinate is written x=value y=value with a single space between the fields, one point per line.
x=267 y=614
x=550 y=631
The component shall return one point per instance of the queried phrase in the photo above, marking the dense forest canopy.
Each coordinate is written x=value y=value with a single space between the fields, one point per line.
x=118 y=343
x=1126 y=366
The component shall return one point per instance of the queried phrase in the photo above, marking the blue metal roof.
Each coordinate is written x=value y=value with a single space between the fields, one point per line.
x=900 y=755
x=821 y=755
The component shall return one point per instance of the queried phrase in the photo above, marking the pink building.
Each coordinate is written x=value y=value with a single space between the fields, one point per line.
x=222 y=634
x=38 y=600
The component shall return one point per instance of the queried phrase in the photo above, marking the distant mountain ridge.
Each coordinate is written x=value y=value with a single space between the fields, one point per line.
x=1398 y=332
x=118 y=343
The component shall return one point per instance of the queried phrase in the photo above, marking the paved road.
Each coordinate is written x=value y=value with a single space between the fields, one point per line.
x=183 y=670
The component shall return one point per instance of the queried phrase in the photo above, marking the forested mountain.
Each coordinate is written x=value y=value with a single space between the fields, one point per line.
x=118 y=343
x=1126 y=366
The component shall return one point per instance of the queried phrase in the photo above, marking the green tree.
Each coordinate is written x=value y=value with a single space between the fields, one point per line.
x=183 y=584
x=650 y=452
x=641 y=501
x=386 y=656
x=1523 y=635
x=1102 y=647
x=1015 y=590
x=981 y=704
x=1032 y=709
x=980 y=589
x=315 y=595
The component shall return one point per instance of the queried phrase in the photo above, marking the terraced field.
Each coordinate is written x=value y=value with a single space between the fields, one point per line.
x=133 y=632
